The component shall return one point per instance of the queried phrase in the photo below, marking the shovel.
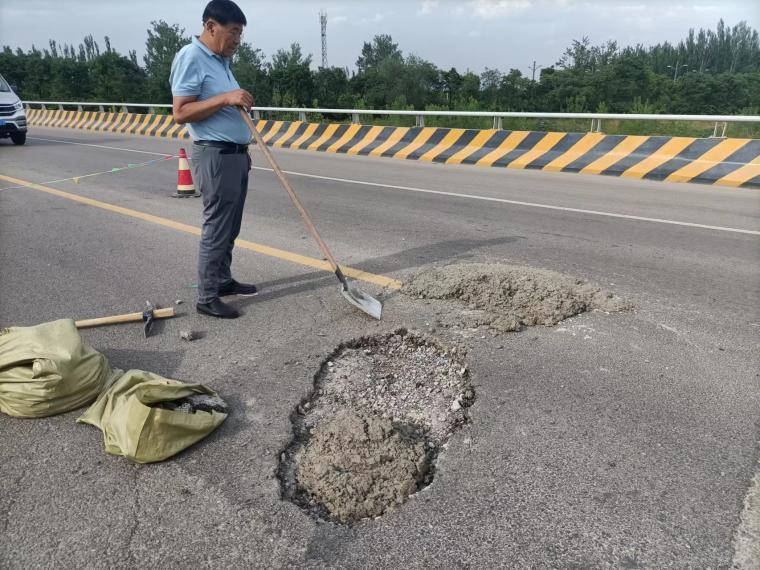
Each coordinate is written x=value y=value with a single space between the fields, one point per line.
x=353 y=294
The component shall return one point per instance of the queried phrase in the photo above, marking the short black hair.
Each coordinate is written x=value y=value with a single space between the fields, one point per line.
x=225 y=12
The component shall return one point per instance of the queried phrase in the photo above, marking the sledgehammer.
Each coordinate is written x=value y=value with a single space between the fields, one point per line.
x=148 y=316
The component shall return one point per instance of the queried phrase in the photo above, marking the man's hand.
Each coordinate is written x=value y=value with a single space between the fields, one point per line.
x=240 y=98
x=190 y=110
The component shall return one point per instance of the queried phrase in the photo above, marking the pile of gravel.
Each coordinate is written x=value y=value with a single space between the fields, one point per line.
x=368 y=435
x=509 y=296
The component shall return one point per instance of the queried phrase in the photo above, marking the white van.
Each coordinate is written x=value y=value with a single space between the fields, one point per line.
x=12 y=115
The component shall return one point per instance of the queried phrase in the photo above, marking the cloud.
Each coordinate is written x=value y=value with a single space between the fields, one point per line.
x=427 y=7
x=376 y=18
x=337 y=20
x=492 y=9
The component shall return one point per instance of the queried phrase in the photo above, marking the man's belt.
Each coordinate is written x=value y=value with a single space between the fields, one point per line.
x=228 y=147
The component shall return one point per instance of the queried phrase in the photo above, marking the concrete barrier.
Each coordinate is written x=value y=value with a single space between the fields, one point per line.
x=725 y=162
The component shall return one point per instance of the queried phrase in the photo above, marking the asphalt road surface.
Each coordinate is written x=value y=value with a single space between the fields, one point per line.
x=627 y=440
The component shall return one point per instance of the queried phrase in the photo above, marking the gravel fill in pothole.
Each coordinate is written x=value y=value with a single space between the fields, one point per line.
x=357 y=466
x=368 y=435
x=506 y=297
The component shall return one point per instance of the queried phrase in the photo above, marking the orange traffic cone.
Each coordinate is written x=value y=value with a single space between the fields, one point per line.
x=185 y=186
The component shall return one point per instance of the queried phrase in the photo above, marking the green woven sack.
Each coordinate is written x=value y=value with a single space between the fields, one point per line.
x=129 y=412
x=48 y=369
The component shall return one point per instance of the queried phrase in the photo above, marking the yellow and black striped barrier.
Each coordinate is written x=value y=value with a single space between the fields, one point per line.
x=132 y=123
x=725 y=162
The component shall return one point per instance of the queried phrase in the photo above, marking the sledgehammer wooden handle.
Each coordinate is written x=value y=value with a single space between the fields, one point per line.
x=128 y=318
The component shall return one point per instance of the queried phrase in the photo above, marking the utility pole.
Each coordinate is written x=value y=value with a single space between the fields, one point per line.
x=323 y=25
x=534 y=67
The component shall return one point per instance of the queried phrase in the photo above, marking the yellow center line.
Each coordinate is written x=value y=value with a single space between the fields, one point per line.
x=381 y=280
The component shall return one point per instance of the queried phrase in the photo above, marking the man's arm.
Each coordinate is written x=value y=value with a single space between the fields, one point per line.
x=187 y=109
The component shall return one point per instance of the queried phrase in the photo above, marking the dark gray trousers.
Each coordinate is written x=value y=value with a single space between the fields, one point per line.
x=222 y=179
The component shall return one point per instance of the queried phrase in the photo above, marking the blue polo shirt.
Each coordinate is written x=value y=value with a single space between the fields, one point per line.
x=199 y=72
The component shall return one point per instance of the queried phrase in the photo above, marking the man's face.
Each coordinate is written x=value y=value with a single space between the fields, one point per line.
x=226 y=38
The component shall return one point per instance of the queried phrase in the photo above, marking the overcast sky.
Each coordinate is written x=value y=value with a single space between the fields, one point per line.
x=473 y=34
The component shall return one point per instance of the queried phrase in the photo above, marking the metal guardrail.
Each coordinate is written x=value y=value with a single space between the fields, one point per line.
x=721 y=121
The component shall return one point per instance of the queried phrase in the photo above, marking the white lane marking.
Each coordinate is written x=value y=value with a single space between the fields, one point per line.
x=99 y=146
x=520 y=203
x=459 y=195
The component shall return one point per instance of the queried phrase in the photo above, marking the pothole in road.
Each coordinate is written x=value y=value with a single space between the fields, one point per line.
x=368 y=436
x=507 y=297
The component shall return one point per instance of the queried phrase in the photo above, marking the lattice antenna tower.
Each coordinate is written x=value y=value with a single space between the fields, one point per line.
x=323 y=24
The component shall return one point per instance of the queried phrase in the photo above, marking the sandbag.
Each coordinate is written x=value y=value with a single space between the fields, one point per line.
x=48 y=369
x=136 y=423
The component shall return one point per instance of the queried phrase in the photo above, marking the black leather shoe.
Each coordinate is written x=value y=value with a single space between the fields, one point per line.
x=216 y=308
x=235 y=288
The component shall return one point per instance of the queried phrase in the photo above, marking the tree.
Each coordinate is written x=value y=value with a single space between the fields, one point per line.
x=451 y=83
x=116 y=78
x=89 y=48
x=418 y=81
x=164 y=41
x=470 y=87
x=251 y=73
x=292 y=80
x=577 y=57
x=719 y=72
x=490 y=81
x=513 y=91
x=373 y=54
x=330 y=83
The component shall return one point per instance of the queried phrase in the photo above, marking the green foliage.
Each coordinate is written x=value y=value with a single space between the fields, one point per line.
x=164 y=41
x=374 y=54
x=292 y=80
x=115 y=78
x=251 y=73
x=709 y=72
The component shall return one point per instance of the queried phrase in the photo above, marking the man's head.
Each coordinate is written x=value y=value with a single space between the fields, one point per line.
x=223 y=23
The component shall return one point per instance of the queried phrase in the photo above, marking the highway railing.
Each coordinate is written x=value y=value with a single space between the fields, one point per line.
x=721 y=122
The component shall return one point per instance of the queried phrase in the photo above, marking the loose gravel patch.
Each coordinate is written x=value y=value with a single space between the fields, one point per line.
x=507 y=297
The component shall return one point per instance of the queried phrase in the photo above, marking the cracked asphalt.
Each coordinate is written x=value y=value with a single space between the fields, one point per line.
x=625 y=440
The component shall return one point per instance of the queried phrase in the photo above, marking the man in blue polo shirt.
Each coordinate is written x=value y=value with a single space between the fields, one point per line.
x=206 y=97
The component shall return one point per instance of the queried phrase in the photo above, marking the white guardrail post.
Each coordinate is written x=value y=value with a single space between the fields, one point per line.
x=717 y=126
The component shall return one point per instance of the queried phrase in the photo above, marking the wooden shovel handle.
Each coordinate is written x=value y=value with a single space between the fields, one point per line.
x=293 y=198
x=128 y=318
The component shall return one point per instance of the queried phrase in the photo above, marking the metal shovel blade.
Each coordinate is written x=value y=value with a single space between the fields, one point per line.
x=361 y=300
